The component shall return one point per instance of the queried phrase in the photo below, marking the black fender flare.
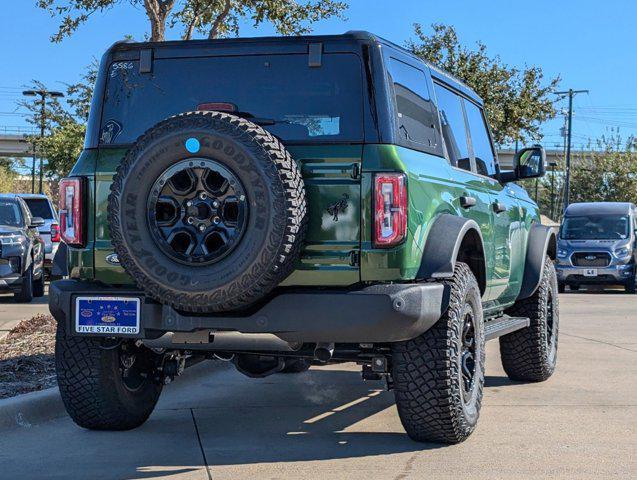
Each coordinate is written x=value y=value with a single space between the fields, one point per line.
x=542 y=242
x=442 y=248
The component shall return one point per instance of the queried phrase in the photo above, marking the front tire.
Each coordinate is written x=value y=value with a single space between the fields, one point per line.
x=530 y=354
x=92 y=384
x=630 y=285
x=25 y=295
x=439 y=375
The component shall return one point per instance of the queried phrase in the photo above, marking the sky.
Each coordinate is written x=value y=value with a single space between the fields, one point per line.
x=587 y=43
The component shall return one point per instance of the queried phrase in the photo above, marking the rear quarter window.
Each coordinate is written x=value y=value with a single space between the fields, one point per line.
x=416 y=114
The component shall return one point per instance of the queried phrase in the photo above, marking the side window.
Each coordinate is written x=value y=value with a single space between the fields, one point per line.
x=454 y=129
x=480 y=140
x=416 y=114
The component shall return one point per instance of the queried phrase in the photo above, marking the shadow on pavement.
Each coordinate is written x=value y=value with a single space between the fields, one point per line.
x=317 y=415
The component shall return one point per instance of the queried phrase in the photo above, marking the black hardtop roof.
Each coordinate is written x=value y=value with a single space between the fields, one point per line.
x=599 y=208
x=348 y=41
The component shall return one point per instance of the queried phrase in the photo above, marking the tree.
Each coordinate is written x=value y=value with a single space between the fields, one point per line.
x=213 y=18
x=517 y=101
x=608 y=174
x=65 y=125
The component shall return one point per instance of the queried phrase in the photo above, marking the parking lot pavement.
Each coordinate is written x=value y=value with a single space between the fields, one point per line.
x=327 y=423
x=11 y=312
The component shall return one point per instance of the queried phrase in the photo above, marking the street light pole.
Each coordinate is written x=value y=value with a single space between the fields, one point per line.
x=567 y=180
x=42 y=94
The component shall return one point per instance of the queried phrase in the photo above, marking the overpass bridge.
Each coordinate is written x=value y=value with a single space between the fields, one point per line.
x=14 y=142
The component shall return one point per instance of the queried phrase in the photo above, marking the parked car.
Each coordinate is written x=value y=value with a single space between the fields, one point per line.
x=42 y=206
x=597 y=245
x=22 y=250
x=284 y=201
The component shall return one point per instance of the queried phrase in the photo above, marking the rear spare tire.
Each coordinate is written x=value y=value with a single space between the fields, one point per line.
x=207 y=212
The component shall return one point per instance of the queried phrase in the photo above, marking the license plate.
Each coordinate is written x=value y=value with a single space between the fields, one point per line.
x=107 y=315
x=590 y=272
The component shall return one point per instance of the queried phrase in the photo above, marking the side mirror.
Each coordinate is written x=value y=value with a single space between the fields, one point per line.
x=529 y=162
x=36 y=222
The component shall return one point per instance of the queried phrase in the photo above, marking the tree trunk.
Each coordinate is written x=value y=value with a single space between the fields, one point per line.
x=214 y=31
x=157 y=12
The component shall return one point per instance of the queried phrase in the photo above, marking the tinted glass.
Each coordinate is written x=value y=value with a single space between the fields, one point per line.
x=39 y=207
x=454 y=131
x=416 y=114
x=595 y=227
x=485 y=160
x=10 y=214
x=311 y=104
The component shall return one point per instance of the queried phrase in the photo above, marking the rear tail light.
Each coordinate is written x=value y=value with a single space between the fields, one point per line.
x=71 y=214
x=390 y=209
x=55 y=233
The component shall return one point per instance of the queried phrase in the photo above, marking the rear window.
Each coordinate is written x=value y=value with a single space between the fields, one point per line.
x=39 y=207
x=305 y=103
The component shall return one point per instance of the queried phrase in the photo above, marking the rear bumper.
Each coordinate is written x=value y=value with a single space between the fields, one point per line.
x=379 y=313
x=610 y=274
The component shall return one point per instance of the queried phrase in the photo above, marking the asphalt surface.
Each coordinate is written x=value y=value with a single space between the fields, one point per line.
x=328 y=424
x=11 y=312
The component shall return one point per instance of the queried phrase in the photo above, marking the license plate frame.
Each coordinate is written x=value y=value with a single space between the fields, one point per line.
x=590 y=272
x=105 y=315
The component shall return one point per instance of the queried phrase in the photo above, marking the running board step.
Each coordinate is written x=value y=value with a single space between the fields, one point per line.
x=502 y=325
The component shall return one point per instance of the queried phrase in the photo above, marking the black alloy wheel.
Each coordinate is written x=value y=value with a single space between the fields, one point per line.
x=468 y=353
x=198 y=211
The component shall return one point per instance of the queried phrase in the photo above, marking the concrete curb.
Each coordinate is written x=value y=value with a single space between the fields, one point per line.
x=29 y=409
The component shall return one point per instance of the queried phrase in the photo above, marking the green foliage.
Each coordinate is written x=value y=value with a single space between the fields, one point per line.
x=7 y=179
x=64 y=123
x=213 y=18
x=62 y=147
x=608 y=174
x=517 y=101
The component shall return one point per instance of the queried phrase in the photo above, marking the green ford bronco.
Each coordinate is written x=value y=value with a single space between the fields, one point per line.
x=282 y=202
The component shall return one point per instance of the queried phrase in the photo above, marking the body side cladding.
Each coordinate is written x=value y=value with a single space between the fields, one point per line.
x=453 y=239
x=542 y=242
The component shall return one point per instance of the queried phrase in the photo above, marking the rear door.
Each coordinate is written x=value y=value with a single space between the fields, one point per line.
x=472 y=195
x=507 y=229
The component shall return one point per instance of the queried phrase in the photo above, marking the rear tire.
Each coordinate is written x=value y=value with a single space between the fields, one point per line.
x=92 y=386
x=574 y=287
x=561 y=288
x=296 y=365
x=25 y=294
x=439 y=375
x=530 y=354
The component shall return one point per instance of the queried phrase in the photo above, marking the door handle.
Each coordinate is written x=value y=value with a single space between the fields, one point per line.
x=467 y=202
x=499 y=207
